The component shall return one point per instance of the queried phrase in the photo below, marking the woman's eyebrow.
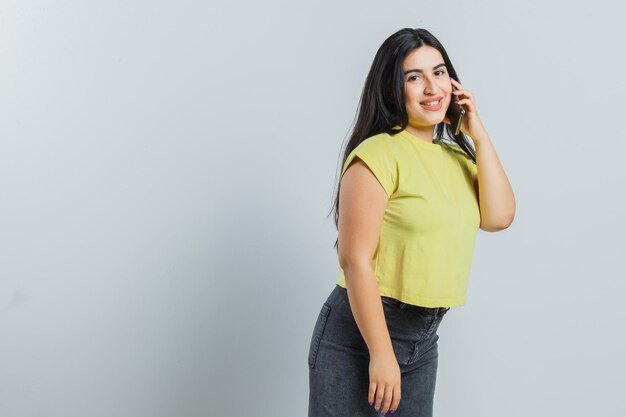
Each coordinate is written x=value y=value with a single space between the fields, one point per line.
x=419 y=70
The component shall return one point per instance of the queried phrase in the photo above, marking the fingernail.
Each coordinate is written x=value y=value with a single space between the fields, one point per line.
x=392 y=410
x=372 y=403
x=376 y=408
x=383 y=414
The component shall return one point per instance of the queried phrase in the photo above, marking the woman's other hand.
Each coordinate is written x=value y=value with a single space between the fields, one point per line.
x=384 y=381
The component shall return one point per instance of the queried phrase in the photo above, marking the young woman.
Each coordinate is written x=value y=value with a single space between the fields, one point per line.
x=407 y=210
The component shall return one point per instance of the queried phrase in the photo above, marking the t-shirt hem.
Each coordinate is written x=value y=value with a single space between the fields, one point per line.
x=418 y=301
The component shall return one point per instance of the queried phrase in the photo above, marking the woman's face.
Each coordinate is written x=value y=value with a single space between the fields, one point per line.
x=431 y=83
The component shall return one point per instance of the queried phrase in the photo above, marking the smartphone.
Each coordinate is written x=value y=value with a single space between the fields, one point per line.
x=456 y=114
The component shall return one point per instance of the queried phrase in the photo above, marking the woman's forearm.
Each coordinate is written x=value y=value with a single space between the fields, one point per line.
x=495 y=195
x=367 y=308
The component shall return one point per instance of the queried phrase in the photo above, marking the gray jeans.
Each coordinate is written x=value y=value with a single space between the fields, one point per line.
x=339 y=358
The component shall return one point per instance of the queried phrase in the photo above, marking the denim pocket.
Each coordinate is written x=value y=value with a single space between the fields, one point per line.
x=318 y=332
x=407 y=329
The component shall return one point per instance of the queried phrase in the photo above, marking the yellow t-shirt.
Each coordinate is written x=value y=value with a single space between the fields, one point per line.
x=427 y=237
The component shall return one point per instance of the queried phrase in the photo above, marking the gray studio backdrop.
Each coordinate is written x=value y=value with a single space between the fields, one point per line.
x=166 y=168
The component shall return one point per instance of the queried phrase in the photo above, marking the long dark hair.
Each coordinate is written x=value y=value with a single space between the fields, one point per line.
x=382 y=105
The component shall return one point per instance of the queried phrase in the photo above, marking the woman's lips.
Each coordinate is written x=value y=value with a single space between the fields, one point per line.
x=433 y=108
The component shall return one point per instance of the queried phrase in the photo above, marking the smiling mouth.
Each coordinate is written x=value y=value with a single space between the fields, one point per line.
x=431 y=100
x=433 y=105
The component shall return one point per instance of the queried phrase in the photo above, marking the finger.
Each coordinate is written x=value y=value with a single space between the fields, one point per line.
x=464 y=94
x=465 y=101
x=396 y=398
x=388 y=398
x=456 y=84
x=380 y=394
x=371 y=393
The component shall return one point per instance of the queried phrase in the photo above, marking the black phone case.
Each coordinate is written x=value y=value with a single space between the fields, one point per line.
x=456 y=114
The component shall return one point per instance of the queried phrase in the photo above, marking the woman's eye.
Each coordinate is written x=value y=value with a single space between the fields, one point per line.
x=415 y=76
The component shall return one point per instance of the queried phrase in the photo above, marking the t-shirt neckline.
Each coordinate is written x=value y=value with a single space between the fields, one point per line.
x=414 y=139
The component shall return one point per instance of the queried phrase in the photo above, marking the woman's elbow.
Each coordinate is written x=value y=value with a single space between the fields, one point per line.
x=496 y=226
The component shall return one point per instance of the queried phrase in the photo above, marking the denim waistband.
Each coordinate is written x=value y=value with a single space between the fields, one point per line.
x=435 y=311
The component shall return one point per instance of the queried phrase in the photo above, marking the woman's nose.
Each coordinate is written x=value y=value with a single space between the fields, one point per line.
x=432 y=89
x=431 y=86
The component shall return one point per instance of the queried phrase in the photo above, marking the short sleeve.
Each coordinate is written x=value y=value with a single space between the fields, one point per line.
x=379 y=158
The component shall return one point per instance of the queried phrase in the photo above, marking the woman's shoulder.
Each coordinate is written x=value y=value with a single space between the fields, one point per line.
x=381 y=142
x=455 y=149
x=379 y=148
